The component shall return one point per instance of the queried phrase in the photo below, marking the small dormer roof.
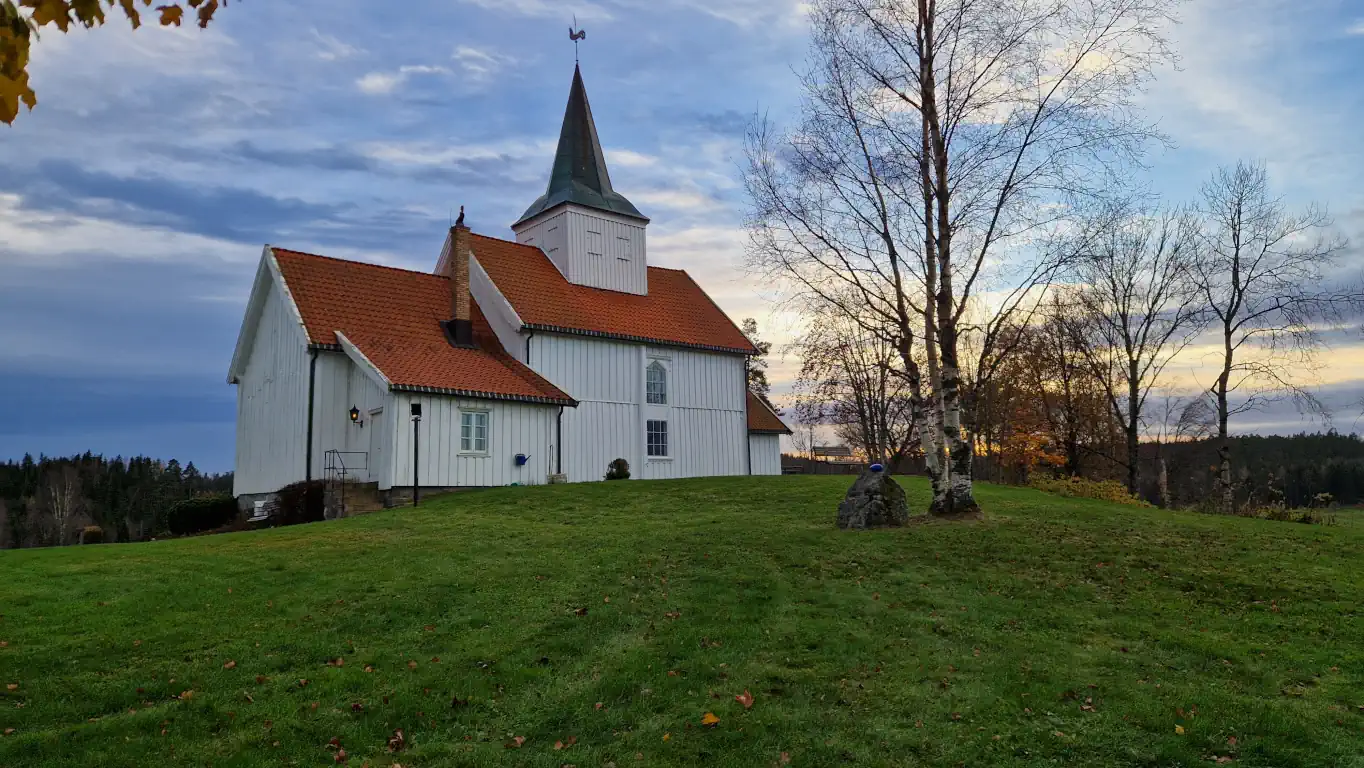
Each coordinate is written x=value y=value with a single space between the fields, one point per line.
x=579 y=174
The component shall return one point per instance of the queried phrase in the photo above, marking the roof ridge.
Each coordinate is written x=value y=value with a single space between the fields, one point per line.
x=356 y=262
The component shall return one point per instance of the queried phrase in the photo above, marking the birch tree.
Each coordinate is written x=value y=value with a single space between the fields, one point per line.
x=1269 y=279
x=938 y=139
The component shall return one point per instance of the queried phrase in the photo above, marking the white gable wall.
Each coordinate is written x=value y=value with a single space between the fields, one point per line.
x=707 y=424
x=592 y=247
x=272 y=401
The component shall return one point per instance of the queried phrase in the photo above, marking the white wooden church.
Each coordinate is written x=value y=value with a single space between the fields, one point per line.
x=534 y=360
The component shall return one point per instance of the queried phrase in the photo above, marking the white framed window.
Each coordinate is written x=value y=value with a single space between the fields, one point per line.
x=473 y=431
x=594 y=243
x=656 y=384
x=656 y=438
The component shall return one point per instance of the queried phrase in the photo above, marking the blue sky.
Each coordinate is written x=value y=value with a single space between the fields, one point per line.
x=134 y=202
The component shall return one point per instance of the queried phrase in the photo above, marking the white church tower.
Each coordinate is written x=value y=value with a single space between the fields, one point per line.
x=591 y=232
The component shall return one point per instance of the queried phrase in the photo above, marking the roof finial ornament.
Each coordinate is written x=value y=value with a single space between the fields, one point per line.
x=575 y=35
x=460 y=221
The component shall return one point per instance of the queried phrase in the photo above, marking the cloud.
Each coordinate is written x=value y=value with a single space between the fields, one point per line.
x=331 y=49
x=227 y=213
x=552 y=9
x=377 y=83
x=1356 y=29
x=481 y=64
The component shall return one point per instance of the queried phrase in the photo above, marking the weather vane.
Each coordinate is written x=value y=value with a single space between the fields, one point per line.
x=575 y=35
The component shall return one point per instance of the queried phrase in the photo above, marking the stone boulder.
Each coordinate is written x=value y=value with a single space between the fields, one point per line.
x=873 y=501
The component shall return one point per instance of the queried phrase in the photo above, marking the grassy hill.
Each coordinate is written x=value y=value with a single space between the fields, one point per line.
x=614 y=617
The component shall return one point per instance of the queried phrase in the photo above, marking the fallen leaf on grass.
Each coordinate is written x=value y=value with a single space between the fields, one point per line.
x=9 y=731
x=357 y=707
x=369 y=668
x=673 y=615
x=411 y=665
x=667 y=736
x=230 y=664
x=1179 y=729
x=341 y=756
x=187 y=695
x=785 y=758
x=745 y=699
x=337 y=662
x=709 y=719
x=1221 y=759
x=516 y=742
x=459 y=703
x=12 y=687
x=1231 y=741
x=261 y=679
x=599 y=705
x=397 y=742
x=672 y=673
x=302 y=683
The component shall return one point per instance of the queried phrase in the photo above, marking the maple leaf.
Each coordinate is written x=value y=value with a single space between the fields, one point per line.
x=397 y=742
x=516 y=742
x=187 y=695
x=667 y=736
x=170 y=14
x=710 y=719
x=745 y=699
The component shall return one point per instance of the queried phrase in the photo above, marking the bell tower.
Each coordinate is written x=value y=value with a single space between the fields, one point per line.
x=590 y=231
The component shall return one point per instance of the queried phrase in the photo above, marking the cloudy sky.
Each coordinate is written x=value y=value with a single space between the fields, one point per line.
x=134 y=202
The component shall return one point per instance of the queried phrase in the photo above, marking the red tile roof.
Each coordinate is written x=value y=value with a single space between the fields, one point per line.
x=762 y=419
x=393 y=316
x=675 y=312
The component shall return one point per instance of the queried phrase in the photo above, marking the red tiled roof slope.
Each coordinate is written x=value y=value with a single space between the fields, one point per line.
x=393 y=316
x=762 y=419
x=675 y=311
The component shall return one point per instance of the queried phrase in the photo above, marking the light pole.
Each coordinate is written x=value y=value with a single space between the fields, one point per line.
x=416 y=451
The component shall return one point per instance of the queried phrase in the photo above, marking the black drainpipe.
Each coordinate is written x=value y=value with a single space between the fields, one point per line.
x=312 y=378
x=529 y=335
x=559 y=443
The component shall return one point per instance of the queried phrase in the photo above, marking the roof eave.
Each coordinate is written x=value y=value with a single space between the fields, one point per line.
x=638 y=339
x=480 y=395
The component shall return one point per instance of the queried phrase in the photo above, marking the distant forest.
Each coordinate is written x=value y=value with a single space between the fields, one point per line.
x=59 y=501
x=1298 y=467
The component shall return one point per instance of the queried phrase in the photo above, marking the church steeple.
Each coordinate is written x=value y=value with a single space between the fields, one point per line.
x=579 y=174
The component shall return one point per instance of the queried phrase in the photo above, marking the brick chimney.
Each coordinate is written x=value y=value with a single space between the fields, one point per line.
x=460 y=328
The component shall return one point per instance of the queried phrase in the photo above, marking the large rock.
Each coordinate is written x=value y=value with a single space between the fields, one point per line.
x=874 y=501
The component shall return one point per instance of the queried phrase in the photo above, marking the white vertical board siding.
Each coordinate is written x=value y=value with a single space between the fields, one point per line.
x=606 y=252
x=588 y=369
x=595 y=434
x=512 y=428
x=272 y=402
x=339 y=386
x=707 y=426
x=764 y=454
x=601 y=375
x=551 y=236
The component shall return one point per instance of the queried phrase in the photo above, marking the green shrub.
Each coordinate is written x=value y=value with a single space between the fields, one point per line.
x=201 y=513
x=300 y=503
x=618 y=470
x=1079 y=487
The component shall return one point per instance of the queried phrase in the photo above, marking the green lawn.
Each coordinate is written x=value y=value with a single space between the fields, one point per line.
x=619 y=614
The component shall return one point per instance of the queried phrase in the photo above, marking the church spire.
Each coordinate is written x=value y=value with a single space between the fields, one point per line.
x=579 y=174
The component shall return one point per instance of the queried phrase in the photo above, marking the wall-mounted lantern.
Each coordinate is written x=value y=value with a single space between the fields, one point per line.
x=355 y=418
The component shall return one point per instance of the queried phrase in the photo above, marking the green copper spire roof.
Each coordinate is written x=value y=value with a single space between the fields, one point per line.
x=579 y=174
